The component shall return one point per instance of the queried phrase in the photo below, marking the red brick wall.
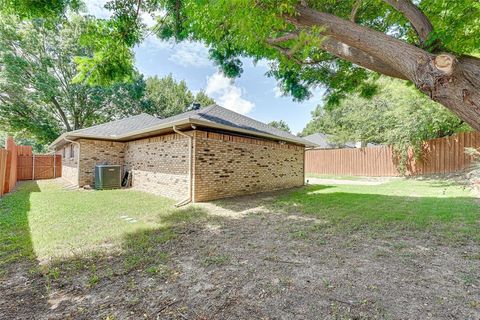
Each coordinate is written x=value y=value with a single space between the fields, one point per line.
x=226 y=165
x=159 y=165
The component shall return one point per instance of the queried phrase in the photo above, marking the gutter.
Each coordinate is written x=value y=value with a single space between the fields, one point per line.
x=190 y=162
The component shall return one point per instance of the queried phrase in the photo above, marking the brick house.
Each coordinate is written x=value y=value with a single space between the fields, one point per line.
x=199 y=155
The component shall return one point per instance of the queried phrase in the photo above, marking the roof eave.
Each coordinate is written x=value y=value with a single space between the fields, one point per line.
x=181 y=122
x=119 y=137
x=246 y=131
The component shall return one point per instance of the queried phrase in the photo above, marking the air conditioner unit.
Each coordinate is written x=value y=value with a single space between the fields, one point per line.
x=108 y=177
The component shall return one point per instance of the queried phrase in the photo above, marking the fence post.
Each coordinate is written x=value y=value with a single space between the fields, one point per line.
x=33 y=167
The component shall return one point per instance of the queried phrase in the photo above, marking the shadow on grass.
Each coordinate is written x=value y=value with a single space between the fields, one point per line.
x=29 y=290
x=455 y=217
x=442 y=180
x=346 y=210
x=257 y=200
x=77 y=287
x=19 y=279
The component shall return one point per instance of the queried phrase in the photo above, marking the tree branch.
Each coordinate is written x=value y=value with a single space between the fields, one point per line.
x=139 y=2
x=355 y=8
x=62 y=114
x=359 y=57
x=286 y=37
x=343 y=51
x=394 y=53
x=417 y=18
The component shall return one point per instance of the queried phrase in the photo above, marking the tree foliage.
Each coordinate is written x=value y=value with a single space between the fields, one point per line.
x=28 y=9
x=38 y=93
x=36 y=88
x=168 y=97
x=282 y=125
x=398 y=115
x=333 y=44
x=23 y=138
x=254 y=29
x=301 y=57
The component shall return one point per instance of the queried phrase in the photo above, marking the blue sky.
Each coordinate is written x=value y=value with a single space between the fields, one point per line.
x=252 y=94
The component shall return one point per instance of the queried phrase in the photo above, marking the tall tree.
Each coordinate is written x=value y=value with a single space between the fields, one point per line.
x=37 y=92
x=432 y=43
x=168 y=97
x=23 y=138
x=282 y=125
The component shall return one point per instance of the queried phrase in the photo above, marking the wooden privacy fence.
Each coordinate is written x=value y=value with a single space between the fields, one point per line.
x=8 y=177
x=3 y=170
x=376 y=161
x=18 y=163
x=442 y=155
x=36 y=167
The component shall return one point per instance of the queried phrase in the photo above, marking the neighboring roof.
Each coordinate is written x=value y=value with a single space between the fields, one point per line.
x=322 y=142
x=213 y=116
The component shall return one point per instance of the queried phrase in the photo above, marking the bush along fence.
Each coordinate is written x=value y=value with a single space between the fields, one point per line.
x=19 y=163
x=442 y=155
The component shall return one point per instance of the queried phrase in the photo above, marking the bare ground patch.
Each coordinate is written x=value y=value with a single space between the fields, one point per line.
x=245 y=261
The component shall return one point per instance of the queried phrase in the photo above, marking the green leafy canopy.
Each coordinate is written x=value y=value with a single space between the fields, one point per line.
x=38 y=93
x=243 y=28
x=282 y=125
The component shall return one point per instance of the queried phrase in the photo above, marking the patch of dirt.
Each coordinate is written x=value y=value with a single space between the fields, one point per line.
x=245 y=262
x=363 y=182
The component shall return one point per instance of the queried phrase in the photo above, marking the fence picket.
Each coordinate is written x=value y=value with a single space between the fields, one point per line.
x=16 y=163
x=441 y=155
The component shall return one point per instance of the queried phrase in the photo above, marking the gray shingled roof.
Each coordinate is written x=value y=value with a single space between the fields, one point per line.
x=218 y=115
x=214 y=115
x=119 y=127
x=322 y=142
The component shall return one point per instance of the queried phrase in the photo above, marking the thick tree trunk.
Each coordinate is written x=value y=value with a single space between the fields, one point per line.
x=452 y=81
x=62 y=114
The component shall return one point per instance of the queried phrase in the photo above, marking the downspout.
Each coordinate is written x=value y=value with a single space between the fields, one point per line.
x=190 y=143
x=78 y=162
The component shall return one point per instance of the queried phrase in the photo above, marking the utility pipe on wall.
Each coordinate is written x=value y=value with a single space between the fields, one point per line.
x=190 y=143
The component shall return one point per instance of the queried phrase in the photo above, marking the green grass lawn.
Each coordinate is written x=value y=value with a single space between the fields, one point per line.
x=440 y=207
x=124 y=254
x=41 y=220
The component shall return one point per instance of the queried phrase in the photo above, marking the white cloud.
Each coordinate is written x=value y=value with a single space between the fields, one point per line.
x=148 y=19
x=185 y=54
x=97 y=8
x=190 y=54
x=228 y=95
x=264 y=63
x=153 y=43
x=277 y=92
